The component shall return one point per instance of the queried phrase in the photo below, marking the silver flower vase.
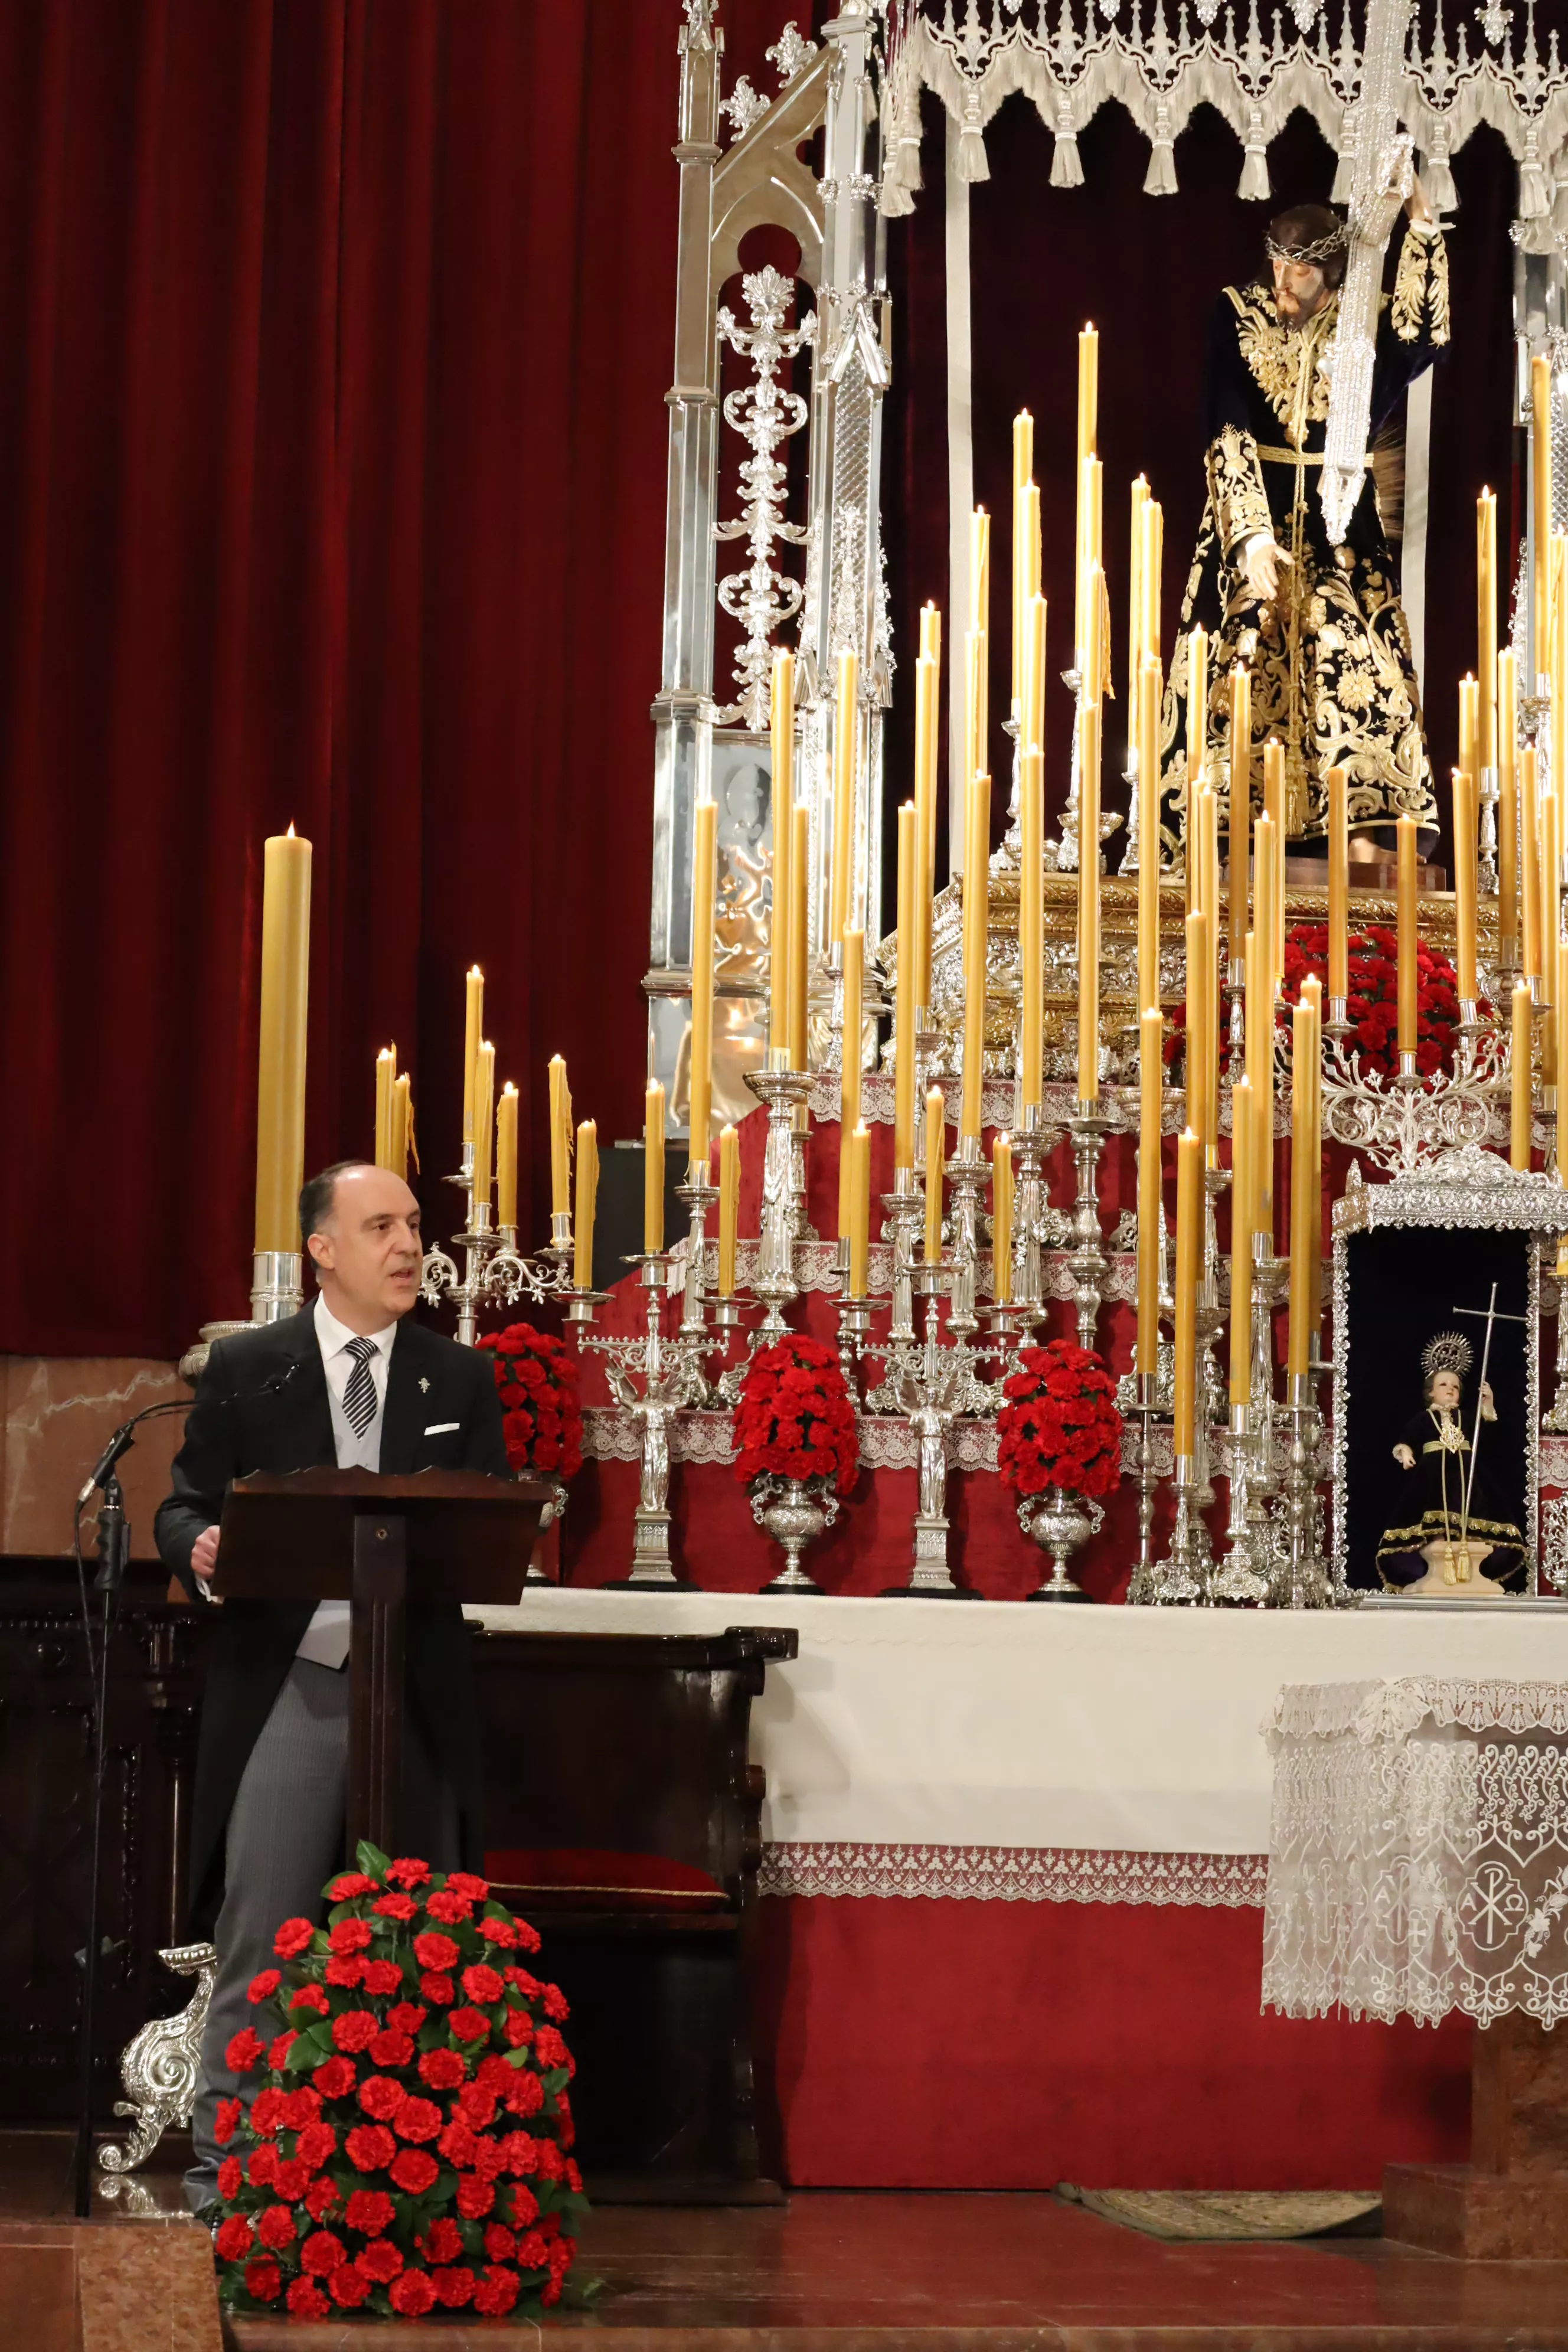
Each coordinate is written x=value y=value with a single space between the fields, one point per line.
x=795 y=1511
x=1059 y=1521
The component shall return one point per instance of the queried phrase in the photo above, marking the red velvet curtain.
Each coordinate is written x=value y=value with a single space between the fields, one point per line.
x=335 y=336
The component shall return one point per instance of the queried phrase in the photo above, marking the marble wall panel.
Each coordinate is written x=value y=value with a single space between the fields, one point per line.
x=57 y=1414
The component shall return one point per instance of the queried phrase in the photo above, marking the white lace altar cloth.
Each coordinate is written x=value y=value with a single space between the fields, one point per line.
x=1003 y=1752
x=1418 y=1849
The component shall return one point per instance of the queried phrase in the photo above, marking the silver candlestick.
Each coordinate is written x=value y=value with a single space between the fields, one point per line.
x=1183 y=1575
x=783 y=1091
x=1487 y=840
x=672 y=1379
x=1302 y=1579
x=699 y=1197
x=1087 y=1261
x=276 y=1285
x=967 y=1174
x=1143 y=1587
x=1555 y=1421
x=495 y=1272
x=1031 y=1141
x=931 y=1390
x=1242 y=1575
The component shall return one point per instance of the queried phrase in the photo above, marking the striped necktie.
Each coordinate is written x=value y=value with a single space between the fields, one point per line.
x=359 y=1397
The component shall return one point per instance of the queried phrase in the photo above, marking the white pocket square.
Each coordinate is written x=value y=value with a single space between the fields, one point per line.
x=439 y=1428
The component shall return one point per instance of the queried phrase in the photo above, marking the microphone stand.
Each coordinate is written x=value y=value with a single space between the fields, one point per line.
x=113 y=1551
x=113 y=1542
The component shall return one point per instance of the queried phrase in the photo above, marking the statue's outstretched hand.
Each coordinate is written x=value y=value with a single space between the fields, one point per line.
x=1404 y=1457
x=1261 y=558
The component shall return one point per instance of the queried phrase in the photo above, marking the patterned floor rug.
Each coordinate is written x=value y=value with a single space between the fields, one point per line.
x=1198 y=2213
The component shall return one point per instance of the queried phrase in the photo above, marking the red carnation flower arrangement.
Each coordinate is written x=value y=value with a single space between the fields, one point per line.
x=1058 y=1425
x=1372 y=1005
x=405 y=2150
x=795 y=1419
x=541 y=1413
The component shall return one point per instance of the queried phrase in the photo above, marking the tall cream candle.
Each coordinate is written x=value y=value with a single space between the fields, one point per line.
x=904 y=991
x=1243 y=1222
x=1486 y=624
x=385 y=1071
x=1519 y=1088
x=653 y=1170
x=280 y=1062
x=1002 y=1220
x=1405 y=829
x=729 y=1208
x=928 y=676
x=1150 y=1105
x=1189 y=1259
x=1339 y=886
x=1239 y=842
x=506 y=1156
x=473 y=1025
x=849 y=1067
x=587 y=1202
x=1464 y=793
x=1149 y=833
x=1507 y=809
x=484 y=1113
x=935 y=1169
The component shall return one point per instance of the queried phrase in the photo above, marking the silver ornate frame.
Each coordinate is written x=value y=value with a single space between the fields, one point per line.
x=1469 y=1188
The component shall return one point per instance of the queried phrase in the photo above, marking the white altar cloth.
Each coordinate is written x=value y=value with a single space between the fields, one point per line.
x=927 y=1747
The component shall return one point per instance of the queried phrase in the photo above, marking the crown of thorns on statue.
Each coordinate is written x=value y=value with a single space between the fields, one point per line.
x=1448 y=1352
x=1317 y=250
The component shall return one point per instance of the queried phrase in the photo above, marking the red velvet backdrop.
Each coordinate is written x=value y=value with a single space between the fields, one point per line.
x=333 y=342
x=335 y=336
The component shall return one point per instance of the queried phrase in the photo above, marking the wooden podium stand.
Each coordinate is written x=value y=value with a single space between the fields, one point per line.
x=379 y=1544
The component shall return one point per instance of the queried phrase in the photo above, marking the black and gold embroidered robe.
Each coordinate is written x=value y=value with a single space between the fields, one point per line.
x=1330 y=658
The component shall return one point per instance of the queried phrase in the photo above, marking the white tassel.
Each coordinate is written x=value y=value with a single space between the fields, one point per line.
x=1439 y=181
x=1066 y=169
x=972 y=162
x=1160 y=178
x=1533 y=198
x=1254 y=188
x=1344 y=175
x=906 y=170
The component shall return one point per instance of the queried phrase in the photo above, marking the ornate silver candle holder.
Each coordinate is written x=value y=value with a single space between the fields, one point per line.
x=1487 y=797
x=671 y=1377
x=1087 y=1261
x=1150 y=1402
x=1555 y=1420
x=903 y=1222
x=495 y=1272
x=968 y=1172
x=1181 y=1577
x=783 y=1193
x=931 y=1389
x=1242 y=1577
x=1301 y=1578
x=699 y=1198
x=1032 y=1214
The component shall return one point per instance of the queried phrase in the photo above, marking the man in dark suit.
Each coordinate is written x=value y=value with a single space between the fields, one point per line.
x=349 y=1381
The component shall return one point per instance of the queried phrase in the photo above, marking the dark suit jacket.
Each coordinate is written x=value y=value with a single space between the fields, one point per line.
x=261 y=1403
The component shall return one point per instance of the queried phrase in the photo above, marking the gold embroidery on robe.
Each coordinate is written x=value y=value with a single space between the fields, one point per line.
x=1236 y=497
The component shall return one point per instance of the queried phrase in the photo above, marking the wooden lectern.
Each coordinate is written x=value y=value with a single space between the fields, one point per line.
x=378 y=1543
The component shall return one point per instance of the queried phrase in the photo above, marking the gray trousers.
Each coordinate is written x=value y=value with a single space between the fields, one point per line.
x=285 y=1841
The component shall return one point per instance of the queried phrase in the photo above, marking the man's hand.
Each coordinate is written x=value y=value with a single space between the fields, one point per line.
x=1261 y=558
x=1404 y=1457
x=204 y=1554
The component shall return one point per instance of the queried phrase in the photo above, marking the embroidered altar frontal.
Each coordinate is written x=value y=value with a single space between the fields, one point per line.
x=1031 y=1845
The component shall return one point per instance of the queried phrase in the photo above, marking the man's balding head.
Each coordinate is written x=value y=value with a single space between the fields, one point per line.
x=361 y=1229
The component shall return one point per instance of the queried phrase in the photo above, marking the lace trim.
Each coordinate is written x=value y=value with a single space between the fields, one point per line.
x=1393 y=1710
x=887 y=1440
x=991 y=1873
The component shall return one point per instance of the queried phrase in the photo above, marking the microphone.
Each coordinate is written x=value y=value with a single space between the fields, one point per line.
x=122 y=1443
x=124 y=1439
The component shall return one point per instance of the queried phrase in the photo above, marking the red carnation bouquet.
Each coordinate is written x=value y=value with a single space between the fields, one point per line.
x=795 y=1419
x=540 y=1409
x=405 y=2150
x=1372 y=1003
x=1058 y=1425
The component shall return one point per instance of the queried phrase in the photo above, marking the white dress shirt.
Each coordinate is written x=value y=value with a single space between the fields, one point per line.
x=326 y=1637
